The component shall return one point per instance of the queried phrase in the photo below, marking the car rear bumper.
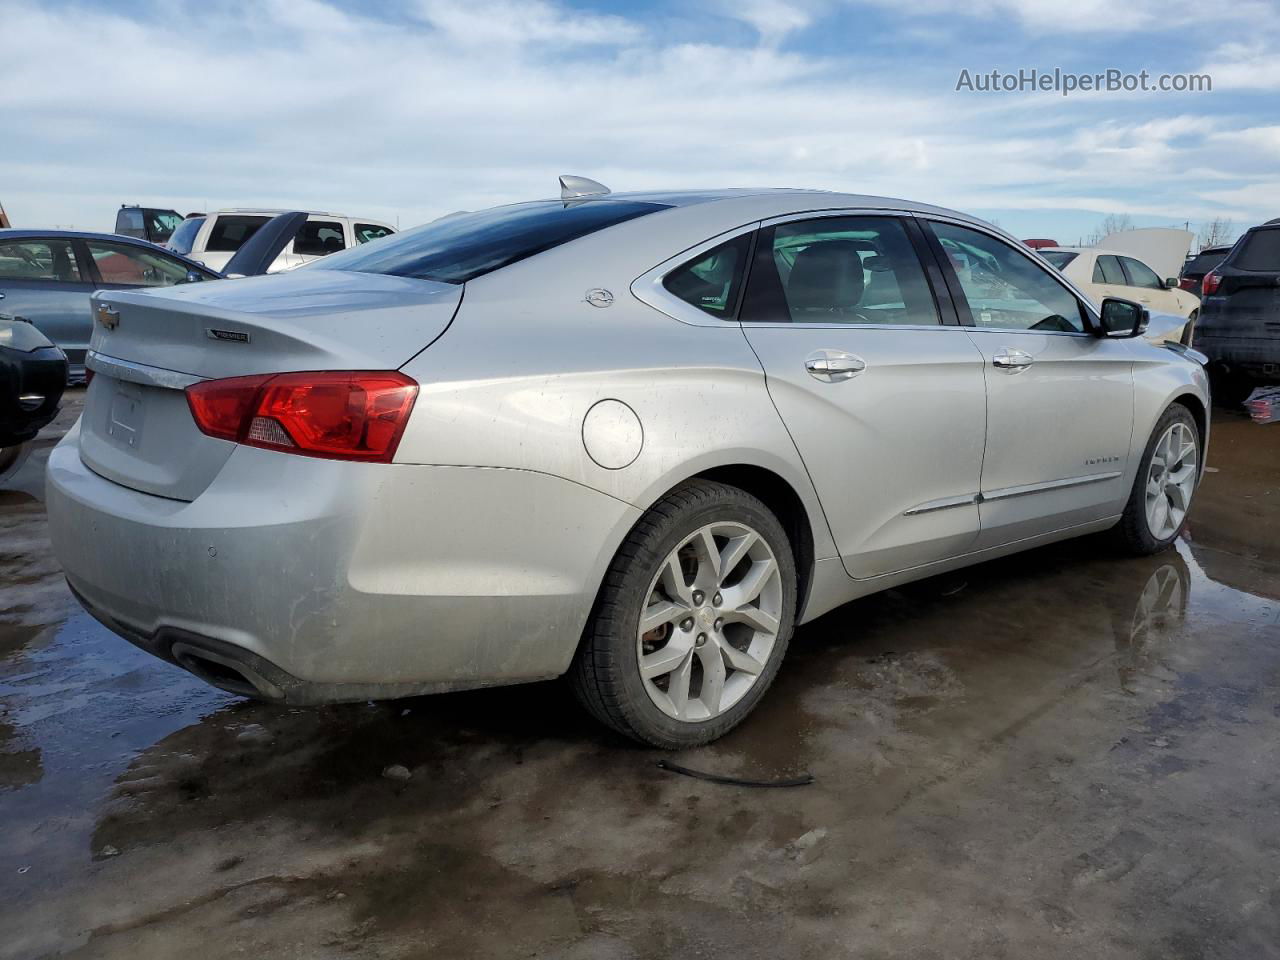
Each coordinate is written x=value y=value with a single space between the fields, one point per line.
x=1256 y=357
x=306 y=580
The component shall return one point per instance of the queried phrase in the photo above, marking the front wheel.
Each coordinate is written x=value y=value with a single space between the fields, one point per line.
x=692 y=620
x=1167 y=476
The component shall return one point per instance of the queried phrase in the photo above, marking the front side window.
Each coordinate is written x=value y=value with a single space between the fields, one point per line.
x=231 y=230
x=713 y=281
x=161 y=224
x=1004 y=288
x=119 y=263
x=38 y=260
x=184 y=238
x=855 y=270
x=463 y=246
x=1140 y=275
x=1106 y=269
x=371 y=231
x=319 y=238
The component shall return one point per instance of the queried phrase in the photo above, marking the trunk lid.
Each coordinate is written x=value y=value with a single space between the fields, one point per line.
x=137 y=429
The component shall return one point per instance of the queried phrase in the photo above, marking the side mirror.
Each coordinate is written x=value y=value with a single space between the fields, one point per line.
x=193 y=276
x=1122 y=319
x=1171 y=283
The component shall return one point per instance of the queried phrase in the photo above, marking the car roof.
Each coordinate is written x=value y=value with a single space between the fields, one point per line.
x=786 y=199
x=272 y=211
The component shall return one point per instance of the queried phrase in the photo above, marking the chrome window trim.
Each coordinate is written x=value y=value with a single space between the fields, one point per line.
x=648 y=288
x=139 y=372
x=1024 y=250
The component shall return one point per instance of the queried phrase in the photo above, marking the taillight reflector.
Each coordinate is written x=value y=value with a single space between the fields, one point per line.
x=342 y=415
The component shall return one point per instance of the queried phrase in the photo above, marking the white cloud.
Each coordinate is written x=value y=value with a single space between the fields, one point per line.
x=446 y=106
x=1089 y=16
x=1252 y=65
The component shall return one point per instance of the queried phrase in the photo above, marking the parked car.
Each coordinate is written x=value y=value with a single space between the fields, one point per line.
x=213 y=238
x=350 y=481
x=1104 y=273
x=33 y=373
x=1196 y=267
x=153 y=224
x=1239 y=328
x=46 y=277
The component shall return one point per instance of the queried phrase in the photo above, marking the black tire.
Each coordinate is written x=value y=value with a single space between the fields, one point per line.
x=1132 y=534
x=606 y=672
x=1189 y=331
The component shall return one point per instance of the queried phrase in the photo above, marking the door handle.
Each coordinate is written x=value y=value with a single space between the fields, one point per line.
x=1012 y=361
x=832 y=366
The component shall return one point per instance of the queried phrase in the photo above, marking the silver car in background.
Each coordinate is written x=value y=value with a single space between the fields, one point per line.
x=634 y=438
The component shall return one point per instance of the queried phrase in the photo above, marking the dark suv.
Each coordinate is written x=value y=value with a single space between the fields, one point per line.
x=153 y=224
x=1196 y=267
x=1239 y=327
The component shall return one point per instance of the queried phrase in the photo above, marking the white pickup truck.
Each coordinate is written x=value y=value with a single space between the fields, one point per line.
x=213 y=238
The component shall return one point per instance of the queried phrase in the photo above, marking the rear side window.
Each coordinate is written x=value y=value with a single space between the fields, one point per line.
x=230 y=231
x=1260 y=251
x=119 y=263
x=371 y=231
x=184 y=237
x=319 y=238
x=1106 y=269
x=713 y=281
x=129 y=223
x=38 y=260
x=464 y=246
x=1140 y=275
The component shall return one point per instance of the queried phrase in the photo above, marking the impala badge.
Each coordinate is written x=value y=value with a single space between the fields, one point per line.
x=108 y=317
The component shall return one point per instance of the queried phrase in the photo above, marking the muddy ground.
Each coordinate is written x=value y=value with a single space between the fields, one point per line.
x=1062 y=754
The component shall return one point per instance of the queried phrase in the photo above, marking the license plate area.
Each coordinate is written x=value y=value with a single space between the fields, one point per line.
x=126 y=414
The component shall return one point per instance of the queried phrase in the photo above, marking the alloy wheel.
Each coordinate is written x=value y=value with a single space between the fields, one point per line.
x=1171 y=480
x=711 y=621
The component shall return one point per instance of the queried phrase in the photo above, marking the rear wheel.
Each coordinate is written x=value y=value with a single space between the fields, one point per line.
x=1166 y=482
x=1189 y=331
x=693 y=618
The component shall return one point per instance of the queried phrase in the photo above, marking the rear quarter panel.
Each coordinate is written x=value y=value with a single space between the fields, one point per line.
x=510 y=383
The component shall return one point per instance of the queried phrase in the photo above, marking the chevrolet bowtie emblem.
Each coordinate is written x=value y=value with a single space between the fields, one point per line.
x=108 y=317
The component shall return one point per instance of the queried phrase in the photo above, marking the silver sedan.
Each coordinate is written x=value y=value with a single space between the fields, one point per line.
x=631 y=438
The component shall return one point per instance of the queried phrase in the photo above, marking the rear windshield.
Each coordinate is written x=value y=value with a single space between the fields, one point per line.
x=1058 y=258
x=463 y=246
x=180 y=240
x=1202 y=263
x=1261 y=251
x=230 y=231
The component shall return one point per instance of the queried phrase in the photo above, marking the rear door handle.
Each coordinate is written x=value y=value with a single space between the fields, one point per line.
x=832 y=366
x=1012 y=360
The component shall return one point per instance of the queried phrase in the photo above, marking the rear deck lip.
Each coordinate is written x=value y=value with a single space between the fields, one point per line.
x=141 y=373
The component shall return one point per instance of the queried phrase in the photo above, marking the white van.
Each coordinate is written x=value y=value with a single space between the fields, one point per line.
x=212 y=238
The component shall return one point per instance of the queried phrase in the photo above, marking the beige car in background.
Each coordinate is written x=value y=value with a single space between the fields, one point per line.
x=1108 y=273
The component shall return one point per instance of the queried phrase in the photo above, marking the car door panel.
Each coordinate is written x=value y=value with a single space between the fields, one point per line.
x=57 y=307
x=889 y=418
x=1059 y=400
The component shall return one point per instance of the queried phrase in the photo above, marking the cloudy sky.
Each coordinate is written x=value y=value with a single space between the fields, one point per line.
x=409 y=109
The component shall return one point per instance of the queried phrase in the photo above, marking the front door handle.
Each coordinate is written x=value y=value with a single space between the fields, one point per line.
x=1012 y=360
x=832 y=366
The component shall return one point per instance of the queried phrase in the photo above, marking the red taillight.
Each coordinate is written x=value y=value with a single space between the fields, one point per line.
x=1209 y=286
x=1186 y=283
x=340 y=414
